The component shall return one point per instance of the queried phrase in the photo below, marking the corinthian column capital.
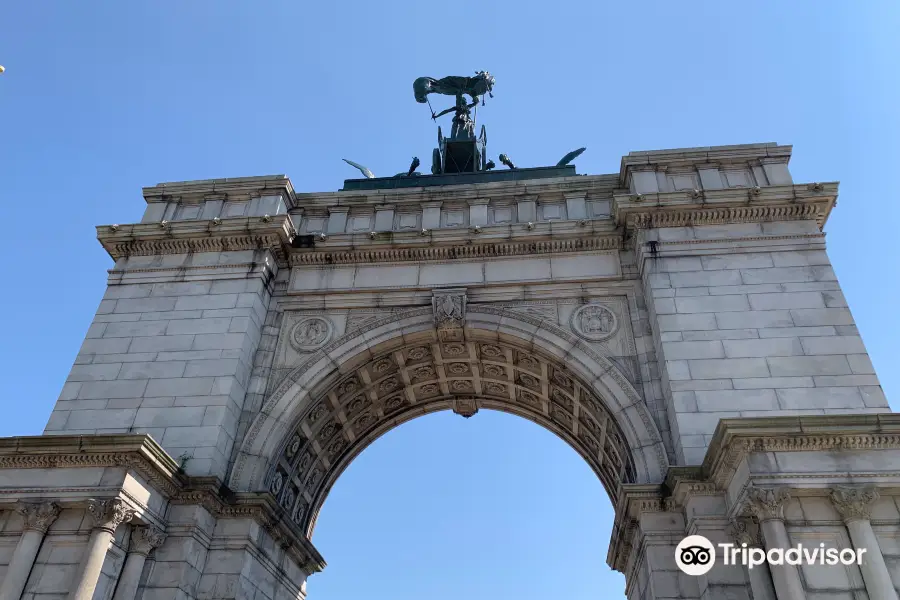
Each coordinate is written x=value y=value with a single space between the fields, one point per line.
x=109 y=514
x=745 y=530
x=39 y=516
x=145 y=539
x=767 y=504
x=854 y=503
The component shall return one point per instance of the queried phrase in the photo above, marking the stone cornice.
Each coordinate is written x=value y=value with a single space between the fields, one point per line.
x=233 y=188
x=183 y=237
x=140 y=453
x=221 y=502
x=633 y=500
x=487 y=249
x=734 y=439
x=716 y=207
x=137 y=452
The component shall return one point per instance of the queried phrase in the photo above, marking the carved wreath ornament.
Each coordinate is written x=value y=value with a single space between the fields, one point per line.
x=310 y=334
x=594 y=322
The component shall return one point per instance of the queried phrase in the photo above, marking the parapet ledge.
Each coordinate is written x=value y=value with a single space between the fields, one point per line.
x=231 y=188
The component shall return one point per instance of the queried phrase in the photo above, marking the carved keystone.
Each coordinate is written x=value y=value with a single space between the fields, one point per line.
x=854 y=503
x=109 y=514
x=39 y=516
x=449 y=313
x=465 y=406
x=767 y=504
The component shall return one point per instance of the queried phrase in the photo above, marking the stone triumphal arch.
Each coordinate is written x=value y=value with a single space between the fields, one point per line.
x=677 y=323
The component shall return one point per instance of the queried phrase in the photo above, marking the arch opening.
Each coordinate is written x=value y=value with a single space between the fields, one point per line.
x=396 y=383
x=481 y=491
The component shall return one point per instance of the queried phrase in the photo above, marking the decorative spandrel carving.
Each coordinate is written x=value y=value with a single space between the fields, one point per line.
x=594 y=322
x=449 y=313
x=109 y=514
x=310 y=334
x=767 y=504
x=39 y=516
x=854 y=503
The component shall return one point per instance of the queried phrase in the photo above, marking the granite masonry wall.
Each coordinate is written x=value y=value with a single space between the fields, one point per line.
x=749 y=321
x=171 y=357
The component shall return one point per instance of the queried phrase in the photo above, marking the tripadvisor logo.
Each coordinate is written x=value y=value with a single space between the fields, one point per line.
x=696 y=555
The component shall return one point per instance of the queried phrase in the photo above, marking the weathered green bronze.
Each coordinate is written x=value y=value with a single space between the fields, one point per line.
x=570 y=157
x=462 y=151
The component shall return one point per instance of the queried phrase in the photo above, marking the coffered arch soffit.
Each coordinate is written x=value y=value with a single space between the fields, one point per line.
x=362 y=385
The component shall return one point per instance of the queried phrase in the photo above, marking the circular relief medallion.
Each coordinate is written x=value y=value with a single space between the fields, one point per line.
x=310 y=333
x=417 y=353
x=495 y=388
x=594 y=322
x=381 y=365
x=491 y=351
x=288 y=500
x=494 y=370
x=458 y=368
x=454 y=349
x=461 y=385
x=423 y=373
x=299 y=512
x=364 y=421
x=277 y=482
x=294 y=446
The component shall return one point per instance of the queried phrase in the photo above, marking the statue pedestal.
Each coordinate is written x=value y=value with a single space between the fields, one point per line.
x=461 y=156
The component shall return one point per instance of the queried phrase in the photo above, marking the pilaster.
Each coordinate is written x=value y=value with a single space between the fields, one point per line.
x=855 y=506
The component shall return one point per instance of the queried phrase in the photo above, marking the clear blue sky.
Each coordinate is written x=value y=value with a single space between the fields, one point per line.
x=101 y=98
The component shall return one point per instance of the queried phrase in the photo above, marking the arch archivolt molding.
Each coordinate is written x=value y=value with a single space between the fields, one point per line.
x=391 y=370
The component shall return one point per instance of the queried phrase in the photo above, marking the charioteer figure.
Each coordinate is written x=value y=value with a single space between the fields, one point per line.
x=463 y=151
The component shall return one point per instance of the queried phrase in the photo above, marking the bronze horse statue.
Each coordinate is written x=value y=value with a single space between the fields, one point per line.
x=481 y=84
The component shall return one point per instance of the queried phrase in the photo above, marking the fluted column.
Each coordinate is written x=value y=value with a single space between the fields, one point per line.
x=107 y=515
x=855 y=505
x=143 y=540
x=747 y=531
x=38 y=518
x=767 y=505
